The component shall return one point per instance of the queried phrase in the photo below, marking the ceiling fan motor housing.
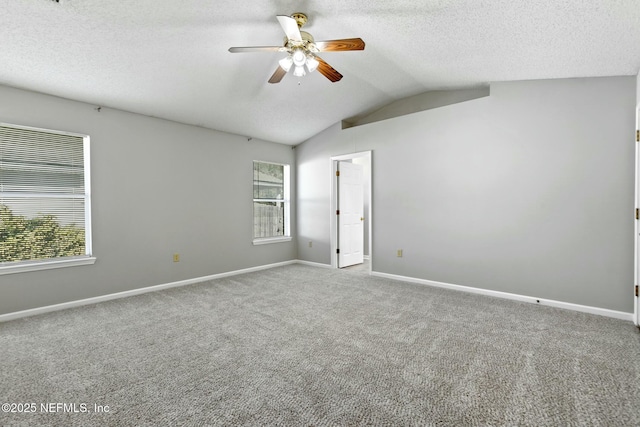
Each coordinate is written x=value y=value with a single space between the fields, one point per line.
x=307 y=42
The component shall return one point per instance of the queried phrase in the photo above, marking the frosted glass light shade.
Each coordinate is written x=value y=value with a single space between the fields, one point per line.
x=312 y=64
x=286 y=63
x=299 y=58
x=299 y=71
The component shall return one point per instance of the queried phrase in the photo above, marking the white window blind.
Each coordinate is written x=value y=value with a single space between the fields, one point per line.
x=44 y=194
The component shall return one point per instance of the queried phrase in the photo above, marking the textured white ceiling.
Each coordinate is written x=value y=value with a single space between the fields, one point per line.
x=169 y=58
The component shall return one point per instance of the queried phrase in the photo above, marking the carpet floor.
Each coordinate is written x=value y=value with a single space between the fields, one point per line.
x=300 y=345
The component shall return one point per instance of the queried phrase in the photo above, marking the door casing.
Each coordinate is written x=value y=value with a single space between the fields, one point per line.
x=636 y=262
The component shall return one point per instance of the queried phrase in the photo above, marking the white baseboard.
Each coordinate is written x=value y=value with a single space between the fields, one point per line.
x=313 y=264
x=534 y=300
x=132 y=292
x=94 y=300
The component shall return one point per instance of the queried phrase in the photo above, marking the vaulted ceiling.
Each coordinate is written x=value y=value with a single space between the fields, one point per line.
x=170 y=59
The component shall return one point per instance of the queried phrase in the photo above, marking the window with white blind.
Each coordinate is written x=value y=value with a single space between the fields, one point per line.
x=270 y=203
x=45 y=209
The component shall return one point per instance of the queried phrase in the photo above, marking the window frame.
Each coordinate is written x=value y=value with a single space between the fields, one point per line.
x=286 y=200
x=60 y=262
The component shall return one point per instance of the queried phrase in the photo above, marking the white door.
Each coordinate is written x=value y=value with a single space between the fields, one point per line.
x=350 y=216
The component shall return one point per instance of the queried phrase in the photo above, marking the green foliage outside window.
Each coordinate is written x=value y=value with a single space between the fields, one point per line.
x=37 y=238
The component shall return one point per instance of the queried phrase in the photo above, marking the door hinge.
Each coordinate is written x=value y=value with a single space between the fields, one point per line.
x=636 y=290
x=337 y=251
x=637 y=213
x=338 y=212
x=337 y=173
x=638 y=136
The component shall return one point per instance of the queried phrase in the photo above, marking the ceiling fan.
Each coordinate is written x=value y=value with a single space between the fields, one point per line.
x=302 y=50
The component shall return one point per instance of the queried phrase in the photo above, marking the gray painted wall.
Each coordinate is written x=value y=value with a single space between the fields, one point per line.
x=528 y=191
x=158 y=187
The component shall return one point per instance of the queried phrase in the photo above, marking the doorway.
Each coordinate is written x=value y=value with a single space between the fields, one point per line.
x=361 y=160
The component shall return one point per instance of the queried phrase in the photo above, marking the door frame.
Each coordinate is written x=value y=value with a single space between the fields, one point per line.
x=333 y=221
x=636 y=262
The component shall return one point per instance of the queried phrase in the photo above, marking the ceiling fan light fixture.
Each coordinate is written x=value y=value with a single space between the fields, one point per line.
x=301 y=48
x=312 y=63
x=286 y=63
x=299 y=71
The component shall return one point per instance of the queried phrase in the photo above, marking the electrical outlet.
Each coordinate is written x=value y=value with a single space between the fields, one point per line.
x=176 y=257
x=399 y=253
x=310 y=244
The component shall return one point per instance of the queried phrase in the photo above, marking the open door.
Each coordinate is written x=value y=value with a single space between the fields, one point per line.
x=350 y=214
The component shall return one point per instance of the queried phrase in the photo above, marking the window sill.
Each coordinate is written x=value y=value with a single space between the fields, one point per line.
x=268 y=240
x=27 y=266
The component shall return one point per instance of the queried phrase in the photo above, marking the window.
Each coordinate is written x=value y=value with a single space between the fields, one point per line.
x=270 y=202
x=44 y=199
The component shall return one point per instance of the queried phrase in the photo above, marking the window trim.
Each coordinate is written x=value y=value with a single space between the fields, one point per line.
x=61 y=262
x=48 y=264
x=287 y=207
x=268 y=240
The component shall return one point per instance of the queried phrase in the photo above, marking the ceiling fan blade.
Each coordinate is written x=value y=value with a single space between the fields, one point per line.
x=340 y=45
x=278 y=75
x=256 y=49
x=328 y=71
x=290 y=27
